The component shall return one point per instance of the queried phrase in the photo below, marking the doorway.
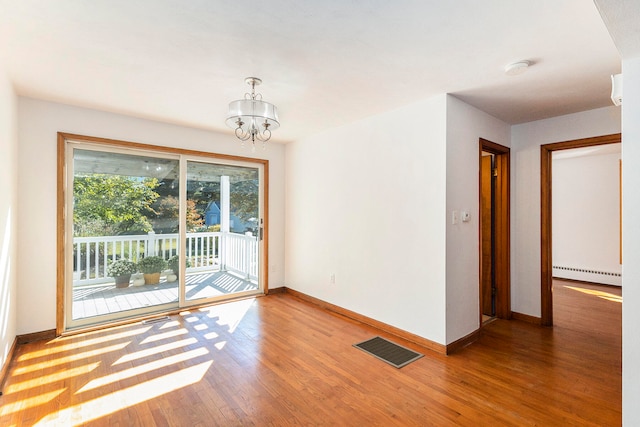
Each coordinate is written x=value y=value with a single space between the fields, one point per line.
x=546 y=268
x=494 y=229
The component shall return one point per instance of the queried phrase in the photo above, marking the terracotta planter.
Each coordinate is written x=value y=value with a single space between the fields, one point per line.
x=152 y=279
x=123 y=281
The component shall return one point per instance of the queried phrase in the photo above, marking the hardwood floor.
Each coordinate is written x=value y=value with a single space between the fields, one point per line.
x=279 y=361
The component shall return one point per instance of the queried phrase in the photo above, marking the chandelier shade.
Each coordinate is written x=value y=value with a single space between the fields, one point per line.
x=252 y=118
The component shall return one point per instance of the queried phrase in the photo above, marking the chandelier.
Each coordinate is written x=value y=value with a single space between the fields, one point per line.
x=252 y=118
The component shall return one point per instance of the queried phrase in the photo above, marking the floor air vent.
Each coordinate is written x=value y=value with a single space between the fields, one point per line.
x=389 y=352
x=155 y=320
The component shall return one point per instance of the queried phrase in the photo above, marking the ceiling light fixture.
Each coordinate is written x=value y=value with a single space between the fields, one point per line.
x=516 y=68
x=251 y=117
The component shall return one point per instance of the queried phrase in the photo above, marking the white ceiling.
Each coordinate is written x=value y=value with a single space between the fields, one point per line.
x=621 y=18
x=323 y=63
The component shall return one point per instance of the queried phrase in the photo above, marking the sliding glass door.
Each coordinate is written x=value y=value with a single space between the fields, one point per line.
x=223 y=230
x=151 y=231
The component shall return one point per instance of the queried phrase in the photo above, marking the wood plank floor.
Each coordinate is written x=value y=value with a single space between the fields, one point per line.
x=278 y=361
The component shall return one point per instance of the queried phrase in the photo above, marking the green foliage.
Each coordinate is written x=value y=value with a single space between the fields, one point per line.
x=97 y=227
x=168 y=209
x=244 y=200
x=108 y=205
x=152 y=264
x=243 y=195
x=207 y=229
x=121 y=267
x=112 y=204
x=174 y=263
x=202 y=193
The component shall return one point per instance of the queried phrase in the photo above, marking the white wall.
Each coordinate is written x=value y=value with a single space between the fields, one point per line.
x=39 y=123
x=465 y=125
x=586 y=216
x=8 y=217
x=630 y=242
x=525 y=193
x=367 y=202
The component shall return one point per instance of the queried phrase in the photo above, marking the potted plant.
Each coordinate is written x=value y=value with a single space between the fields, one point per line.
x=151 y=267
x=121 y=270
x=174 y=264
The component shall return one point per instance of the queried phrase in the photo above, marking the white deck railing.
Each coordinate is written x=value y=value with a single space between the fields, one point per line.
x=205 y=251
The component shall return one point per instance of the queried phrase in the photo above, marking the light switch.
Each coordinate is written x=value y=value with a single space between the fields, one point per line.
x=454 y=217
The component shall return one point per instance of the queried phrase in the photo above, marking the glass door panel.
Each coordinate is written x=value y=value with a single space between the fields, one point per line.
x=125 y=229
x=148 y=231
x=223 y=231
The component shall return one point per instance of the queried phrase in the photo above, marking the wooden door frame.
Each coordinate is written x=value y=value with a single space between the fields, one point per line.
x=546 y=258
x=502 y=227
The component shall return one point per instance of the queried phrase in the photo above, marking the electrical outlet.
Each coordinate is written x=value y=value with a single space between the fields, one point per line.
x=332 y=278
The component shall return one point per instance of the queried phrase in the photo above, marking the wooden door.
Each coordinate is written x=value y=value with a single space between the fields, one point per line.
x=494 y=231
x=486 y=233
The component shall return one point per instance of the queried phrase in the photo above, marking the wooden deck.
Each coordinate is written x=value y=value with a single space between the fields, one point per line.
x=96 y=300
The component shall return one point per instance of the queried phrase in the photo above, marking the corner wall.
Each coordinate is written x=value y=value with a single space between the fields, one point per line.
x=38 y=126
x=366 y=203
x=526 y=140
x=465 y=126
x=8 y=218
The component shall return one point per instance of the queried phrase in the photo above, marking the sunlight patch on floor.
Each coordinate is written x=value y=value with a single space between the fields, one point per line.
x=170 y=324
x=51 y=378
x=230 y=314
x=211 y=335
x=142 y=369
x=30 y=402
x=68 y=359
x=600 y=294
x=155 y=350
x=75 y=345
x=164 y=336
x=169 y=355
x=131 y=396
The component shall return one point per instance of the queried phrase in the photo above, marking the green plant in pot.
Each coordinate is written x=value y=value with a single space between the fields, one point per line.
x=151 y=267
x=121 y=270
x=174 y=264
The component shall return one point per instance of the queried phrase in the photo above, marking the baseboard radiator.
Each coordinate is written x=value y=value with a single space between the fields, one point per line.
x=588 y=275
